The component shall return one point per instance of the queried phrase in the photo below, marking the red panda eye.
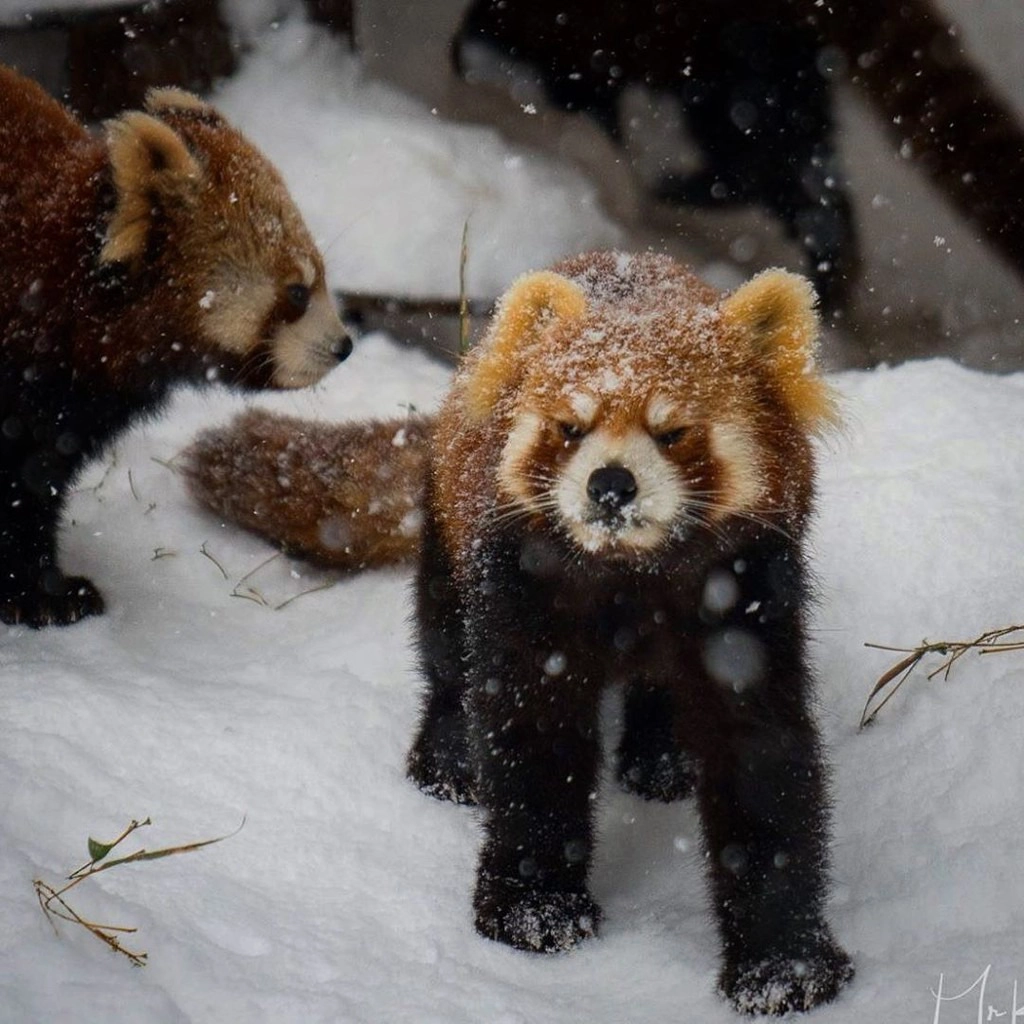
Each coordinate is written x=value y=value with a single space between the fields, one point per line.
x=298 y=296
x=570 y=431
x=668 y=438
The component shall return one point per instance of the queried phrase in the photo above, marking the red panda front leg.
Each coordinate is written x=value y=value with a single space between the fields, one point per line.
x=762 y=790
x=439 y=761
x=536 y=741
x=33 y=590
x=538 y=768
x=763 y=808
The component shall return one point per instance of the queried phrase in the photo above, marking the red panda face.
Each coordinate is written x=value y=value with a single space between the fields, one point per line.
x=209 y=212
x=265 y=302
x=619 y=474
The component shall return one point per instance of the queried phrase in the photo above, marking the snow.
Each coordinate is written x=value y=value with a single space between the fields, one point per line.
x=346 y=895
x=387 y=186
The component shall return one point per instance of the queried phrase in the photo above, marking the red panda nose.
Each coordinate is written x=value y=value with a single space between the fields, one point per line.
x=612 y=486
x=341 y=348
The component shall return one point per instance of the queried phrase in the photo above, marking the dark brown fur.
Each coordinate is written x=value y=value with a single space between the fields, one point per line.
x=521 y=625
x=753 y=78
x=929 y=93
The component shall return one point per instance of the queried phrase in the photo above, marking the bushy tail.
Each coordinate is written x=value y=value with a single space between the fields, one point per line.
x=343 y=495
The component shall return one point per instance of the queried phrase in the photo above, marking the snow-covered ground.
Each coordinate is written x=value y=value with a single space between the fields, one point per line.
x=345 y=897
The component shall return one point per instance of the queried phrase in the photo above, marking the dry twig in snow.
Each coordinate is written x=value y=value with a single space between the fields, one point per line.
x=992 y=642
x=54 y=905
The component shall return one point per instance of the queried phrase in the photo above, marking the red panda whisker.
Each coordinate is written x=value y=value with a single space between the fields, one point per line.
x=511 y=516
x=766 y=523
x=254 y=363
x=518 y=508
x=758 y=516
x=717 y=494
x=517 y=502
x=541 y=479
x=715 y=529
x=765 y=516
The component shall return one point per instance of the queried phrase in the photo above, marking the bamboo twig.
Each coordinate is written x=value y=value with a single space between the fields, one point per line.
x=48 y=896
x=463 y=297
x=989 y=642
x=203 y=551
x=303 y=593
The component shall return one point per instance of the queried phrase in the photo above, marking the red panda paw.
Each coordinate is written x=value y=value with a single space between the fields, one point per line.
x=452 y=782
x=666 y=777
x=781 y=984
x=439 y=761
x=540 y=922
x=64 y=600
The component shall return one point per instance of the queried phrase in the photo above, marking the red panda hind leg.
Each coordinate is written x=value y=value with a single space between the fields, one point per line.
x=440 y=761
x=164 y=251
x=649 y=761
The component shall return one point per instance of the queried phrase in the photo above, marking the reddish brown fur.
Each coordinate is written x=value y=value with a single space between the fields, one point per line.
x=343 y=495
x=590 y=488
x=523 y=621
x=54 y=178
x=232 y=469
x=37 y=133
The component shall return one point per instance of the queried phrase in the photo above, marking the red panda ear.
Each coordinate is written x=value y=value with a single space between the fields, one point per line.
x=151 y=166
x=160 y=102
x=534 y=302
x=775 y=312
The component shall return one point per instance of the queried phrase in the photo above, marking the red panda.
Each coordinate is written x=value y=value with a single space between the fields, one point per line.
x=168 y=250
x=617 y=490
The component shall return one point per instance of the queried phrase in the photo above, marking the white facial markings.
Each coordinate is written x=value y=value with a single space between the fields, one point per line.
x=644 y=522
x=584 y=407
x=303 y=349
x=234 y=313
x=521 y=441
x=307 y=271
x=661 y=413
x=737 y=453
x=234 y=310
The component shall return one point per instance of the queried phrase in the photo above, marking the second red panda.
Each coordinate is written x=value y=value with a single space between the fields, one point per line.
x=166 y=251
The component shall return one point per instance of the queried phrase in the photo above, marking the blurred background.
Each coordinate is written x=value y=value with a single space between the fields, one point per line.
x=878 y=150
